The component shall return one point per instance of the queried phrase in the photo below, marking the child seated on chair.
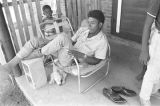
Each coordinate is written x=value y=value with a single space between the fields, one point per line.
x=47 y=26
x=47 y=22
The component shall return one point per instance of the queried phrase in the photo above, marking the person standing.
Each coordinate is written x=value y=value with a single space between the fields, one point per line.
x=150 y=53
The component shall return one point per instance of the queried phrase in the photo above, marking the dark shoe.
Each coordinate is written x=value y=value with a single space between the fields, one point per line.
x=124 y=91
x=47 y=61
x=116 y=98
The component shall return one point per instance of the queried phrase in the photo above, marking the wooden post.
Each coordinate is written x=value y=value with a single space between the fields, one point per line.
x=59 y=13
x=5 y=39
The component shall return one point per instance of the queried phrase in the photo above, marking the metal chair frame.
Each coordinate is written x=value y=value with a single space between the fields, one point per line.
x=102 y=64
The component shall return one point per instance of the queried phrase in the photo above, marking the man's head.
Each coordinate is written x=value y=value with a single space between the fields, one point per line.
x=47 y=11
x=96 y=20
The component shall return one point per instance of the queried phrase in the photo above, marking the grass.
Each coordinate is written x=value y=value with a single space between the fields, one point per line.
x=11 y=95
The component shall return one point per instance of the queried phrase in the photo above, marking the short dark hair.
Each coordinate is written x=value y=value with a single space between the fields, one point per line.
x=97 y=14
x=46 y=7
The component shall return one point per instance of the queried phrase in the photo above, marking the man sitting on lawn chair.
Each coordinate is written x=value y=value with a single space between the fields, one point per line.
x=89 y=42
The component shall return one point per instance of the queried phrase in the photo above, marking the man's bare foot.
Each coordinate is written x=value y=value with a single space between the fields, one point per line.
x=6 y=68
x=6 y=73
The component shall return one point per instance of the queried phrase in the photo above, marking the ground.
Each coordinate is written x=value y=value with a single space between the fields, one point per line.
x=10 y=95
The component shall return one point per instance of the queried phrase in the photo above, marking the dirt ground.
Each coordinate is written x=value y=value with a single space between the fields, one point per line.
x=10 y=95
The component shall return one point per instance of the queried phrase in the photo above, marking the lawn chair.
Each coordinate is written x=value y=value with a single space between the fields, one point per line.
x=92 y=71
x=57 y=26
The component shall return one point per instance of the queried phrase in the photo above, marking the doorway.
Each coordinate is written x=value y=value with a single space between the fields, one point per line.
x=128 y=17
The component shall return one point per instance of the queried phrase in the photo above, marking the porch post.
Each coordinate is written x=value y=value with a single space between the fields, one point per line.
x=118 y=16
x=58 y=8
x=5 y=39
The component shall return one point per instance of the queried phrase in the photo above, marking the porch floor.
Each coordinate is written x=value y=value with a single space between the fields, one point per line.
x=124 y=68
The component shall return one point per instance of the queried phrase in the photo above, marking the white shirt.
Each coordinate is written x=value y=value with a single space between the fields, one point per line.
x=95 y=46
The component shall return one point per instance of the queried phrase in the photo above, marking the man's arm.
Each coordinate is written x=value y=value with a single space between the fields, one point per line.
x=92 y=60
x=144 y=55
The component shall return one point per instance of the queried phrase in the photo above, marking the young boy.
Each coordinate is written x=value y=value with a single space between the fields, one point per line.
x=150 y=53
x=47 y=22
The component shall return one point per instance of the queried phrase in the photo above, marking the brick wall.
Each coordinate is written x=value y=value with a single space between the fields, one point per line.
x=106 y=6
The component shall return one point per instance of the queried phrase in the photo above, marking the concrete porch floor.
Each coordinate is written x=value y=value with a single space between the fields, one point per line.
x=124 y=68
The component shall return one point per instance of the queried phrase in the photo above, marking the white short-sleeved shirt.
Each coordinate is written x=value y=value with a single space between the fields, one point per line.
x=95 y=46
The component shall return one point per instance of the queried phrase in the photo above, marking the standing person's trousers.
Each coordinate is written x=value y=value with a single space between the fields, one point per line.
x=151 y=80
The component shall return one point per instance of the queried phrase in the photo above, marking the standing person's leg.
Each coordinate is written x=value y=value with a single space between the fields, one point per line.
x=152 y=75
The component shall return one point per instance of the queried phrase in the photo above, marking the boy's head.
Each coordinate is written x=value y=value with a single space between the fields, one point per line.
x=96 y=20
x=47 y=11
x=84 y=23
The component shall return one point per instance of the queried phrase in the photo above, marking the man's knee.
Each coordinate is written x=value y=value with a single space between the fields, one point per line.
x=34 y=42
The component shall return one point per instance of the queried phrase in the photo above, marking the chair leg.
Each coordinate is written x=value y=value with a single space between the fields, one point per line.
x=93 y=84
x=79 y=83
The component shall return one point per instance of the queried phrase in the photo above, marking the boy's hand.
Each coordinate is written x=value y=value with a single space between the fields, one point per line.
x=144 y=57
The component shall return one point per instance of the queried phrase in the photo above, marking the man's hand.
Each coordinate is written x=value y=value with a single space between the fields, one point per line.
x=144 y=57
